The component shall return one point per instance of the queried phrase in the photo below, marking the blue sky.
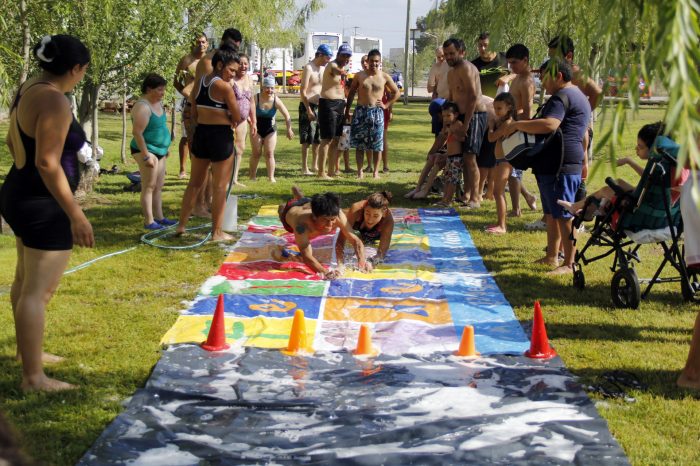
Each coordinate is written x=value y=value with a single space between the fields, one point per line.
x=375 y=18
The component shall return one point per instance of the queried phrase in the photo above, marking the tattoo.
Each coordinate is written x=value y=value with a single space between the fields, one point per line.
x=301 y=229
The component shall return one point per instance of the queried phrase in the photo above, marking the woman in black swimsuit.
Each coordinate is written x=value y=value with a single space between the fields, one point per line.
x=374 y=222
x=37 y=196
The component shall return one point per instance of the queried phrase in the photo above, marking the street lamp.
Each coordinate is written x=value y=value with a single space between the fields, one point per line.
x=415 y=34
x=343 y=18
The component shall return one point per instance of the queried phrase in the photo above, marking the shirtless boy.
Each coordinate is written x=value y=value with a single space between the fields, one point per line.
x=522 y=88
x=183 y=82
x=309 y=94
x=368 y=119
x=319 y=215
x=465 y=90
x=331 y=109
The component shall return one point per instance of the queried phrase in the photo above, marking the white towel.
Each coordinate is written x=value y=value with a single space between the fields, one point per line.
x=690 y=203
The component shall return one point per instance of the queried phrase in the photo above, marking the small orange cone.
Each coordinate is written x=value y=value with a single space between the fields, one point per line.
x=216 y=340
x=467 y=348
x=364 y=343
x=539 y=343
x=297 y=337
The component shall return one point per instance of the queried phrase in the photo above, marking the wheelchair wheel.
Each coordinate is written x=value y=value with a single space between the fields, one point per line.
x=579 y=278
x=625 y=289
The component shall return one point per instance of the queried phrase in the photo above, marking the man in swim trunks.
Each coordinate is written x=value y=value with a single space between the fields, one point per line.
x=331 y=110
x=319 y=215
x=368 y=119
x=465 y=90
x=310 y=92
x=183 y=82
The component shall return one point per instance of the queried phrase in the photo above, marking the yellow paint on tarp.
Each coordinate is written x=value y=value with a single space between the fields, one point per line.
x=260 y=332
x=268 y=211
x=386 y=272
x=410 y=240
x=382 y=310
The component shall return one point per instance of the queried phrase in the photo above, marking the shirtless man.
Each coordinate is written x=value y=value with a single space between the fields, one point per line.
x=331 y=109
x=309 y=93
x=465 y=90
x=183 y=82
x=522 y=87
x=230 y=38
x=319 y=215
x=367 y=131
x=438 y=89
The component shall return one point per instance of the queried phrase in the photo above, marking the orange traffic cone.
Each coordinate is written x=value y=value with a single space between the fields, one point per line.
x=297 y=337
x=467 y=348
x=216 y=340
x=364 y=343
x=539 y=343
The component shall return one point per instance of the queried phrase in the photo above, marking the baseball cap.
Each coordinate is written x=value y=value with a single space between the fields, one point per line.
x=345 y=49
x=324 y=49
x=269 y=81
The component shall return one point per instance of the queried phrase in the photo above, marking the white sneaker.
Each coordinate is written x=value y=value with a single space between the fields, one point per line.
x=538 y=224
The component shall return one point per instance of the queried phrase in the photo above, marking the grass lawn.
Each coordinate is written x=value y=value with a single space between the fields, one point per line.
x=107 y=319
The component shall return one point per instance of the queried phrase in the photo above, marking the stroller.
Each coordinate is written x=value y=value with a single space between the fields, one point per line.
x=644 y=216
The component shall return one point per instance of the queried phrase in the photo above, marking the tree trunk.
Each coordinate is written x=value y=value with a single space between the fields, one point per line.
x=95 y=127
x=88 y=113
x=124 y=126
x=26 y=38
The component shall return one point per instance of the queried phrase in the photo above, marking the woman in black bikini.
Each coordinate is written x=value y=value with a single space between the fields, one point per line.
x=37 y=196
x=216 y=110
x=374 y=222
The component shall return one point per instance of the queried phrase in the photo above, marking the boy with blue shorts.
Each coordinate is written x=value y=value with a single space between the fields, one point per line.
x=367 y=131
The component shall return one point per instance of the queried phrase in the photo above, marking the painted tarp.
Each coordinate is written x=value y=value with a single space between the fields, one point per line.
x=432 y=283
x=415 y=403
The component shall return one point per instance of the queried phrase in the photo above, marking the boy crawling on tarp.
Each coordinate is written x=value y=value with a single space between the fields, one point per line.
x=308 y=218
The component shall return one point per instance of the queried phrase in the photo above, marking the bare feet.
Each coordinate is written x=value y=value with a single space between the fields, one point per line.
x=307 y=172
x=323 y=176
x=46 y=384
x=422 y=194
x=376 y=175
x=685 y=381
x=548 y=261
x=561 y=270
x=297 y=193
x=182 y=175
x=514 y=213
x=201 y=212
x=360 y=175
x=46 y=358
x=568 y=206
x=531 y=202
x=239 y=184
x=495 y=230
x=410 y=194
x=221 y=237
x=179 y=230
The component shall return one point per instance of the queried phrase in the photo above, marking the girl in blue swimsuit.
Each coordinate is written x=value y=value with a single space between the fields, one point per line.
x=266 y=107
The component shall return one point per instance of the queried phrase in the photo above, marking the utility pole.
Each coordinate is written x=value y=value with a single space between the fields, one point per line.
x=354 y=34
x=405 y=53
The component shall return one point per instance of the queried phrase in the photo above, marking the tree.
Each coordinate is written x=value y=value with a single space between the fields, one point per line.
x=630 y=39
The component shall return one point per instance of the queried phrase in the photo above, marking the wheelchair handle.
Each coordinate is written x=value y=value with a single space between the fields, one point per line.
x=615 y=187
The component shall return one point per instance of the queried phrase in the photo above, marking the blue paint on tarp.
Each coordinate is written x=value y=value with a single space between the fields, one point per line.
x=280 y=306
x=472 y=294
x=396 y=289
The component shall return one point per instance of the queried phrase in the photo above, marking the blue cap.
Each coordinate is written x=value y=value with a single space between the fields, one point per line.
x=269 y=81
x=345 y=49
x=324 y=49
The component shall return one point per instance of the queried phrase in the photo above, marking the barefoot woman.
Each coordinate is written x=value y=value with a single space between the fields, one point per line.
x=37 y=196
x=217 y=114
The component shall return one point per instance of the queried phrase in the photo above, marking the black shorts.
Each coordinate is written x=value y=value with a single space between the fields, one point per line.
x=331 y=113
x=309 y=132
x=266 y=126
x=283 y=211
x=487 y=154
x=38 y=221
x=475 y=133
x=213 y=142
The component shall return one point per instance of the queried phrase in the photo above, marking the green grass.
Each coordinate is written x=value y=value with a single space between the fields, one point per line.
x=108 y=319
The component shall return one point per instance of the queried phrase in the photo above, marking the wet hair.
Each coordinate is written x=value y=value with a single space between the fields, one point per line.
x=225 y=56
x=379 y=200
x=325 y=205
x=483 y=36
x=563 y=44
x=518 y=51
x=152 y=81
x=451 y=106
x=374 y=52
x=508 y=99
x=558 y=65
x=457 y=43
x=232 y=34
x=228 y=45
x=649 y=132
x=60 y=53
